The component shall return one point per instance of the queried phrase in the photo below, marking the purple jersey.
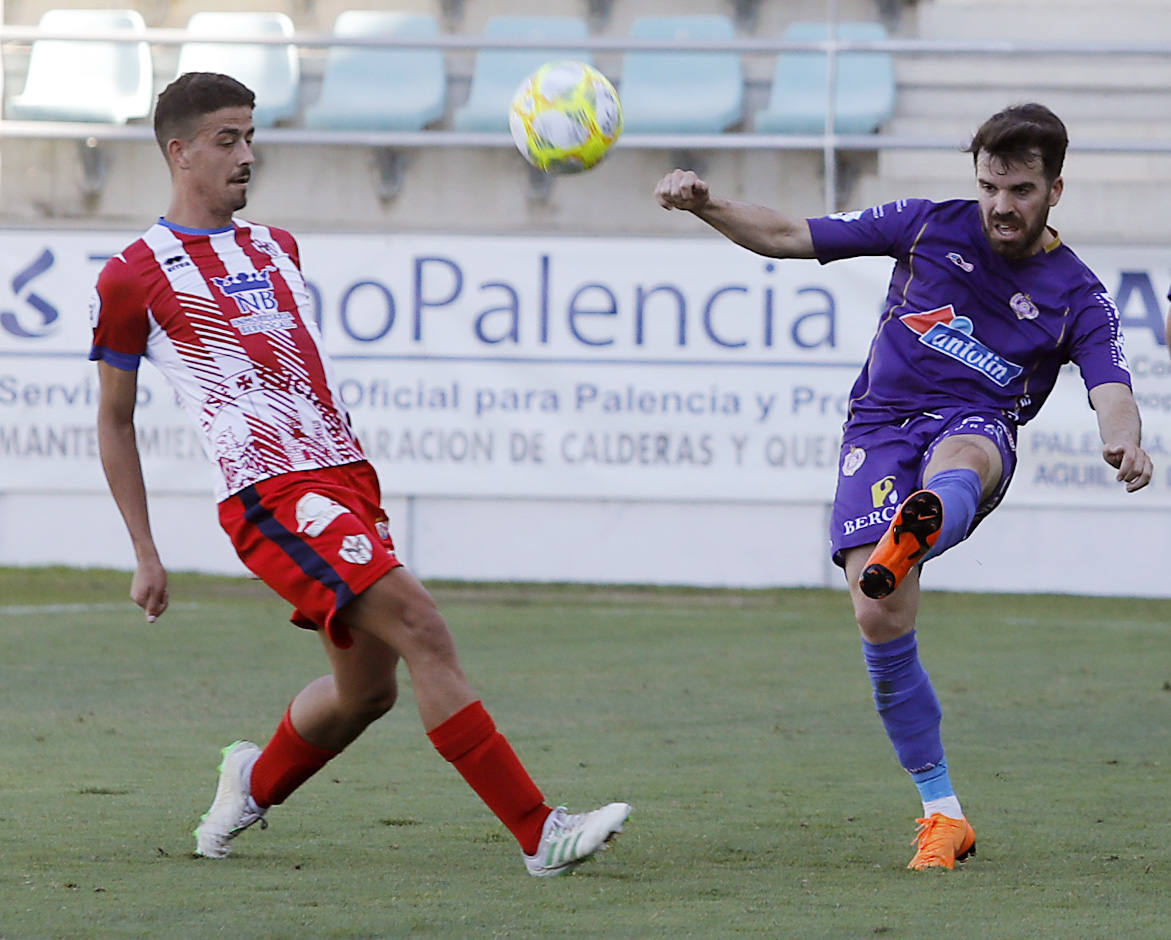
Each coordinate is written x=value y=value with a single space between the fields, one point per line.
x=963 y=326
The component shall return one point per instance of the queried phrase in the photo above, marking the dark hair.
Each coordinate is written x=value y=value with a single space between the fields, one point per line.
x=192 y=95
x=1019 y=133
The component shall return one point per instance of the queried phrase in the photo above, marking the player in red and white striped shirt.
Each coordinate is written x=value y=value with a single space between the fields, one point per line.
x=220 y=307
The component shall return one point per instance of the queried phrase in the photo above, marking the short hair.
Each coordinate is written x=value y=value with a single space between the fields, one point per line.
x=1018 y=133
x=192 y=95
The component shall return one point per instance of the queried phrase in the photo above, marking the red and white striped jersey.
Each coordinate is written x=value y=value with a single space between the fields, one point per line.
x=226 y=316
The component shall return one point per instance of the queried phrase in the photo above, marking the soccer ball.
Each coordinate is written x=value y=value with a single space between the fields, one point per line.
x=564 y=117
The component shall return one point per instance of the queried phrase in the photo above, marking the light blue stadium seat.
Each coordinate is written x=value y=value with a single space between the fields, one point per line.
x=272 y=72
x=682 y=92
x=106 y=82
x=365 y=88
x=499 y=72
x=865 y=93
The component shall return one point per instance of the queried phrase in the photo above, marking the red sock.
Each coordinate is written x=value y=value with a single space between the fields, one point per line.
x=286 y=763
x=470 y=741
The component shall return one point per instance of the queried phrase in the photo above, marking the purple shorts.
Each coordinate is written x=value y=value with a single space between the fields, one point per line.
x=881 y=466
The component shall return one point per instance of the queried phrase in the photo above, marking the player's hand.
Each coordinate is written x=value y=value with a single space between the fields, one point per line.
x=682 y=189
x=1132 y=463
x=149 y=589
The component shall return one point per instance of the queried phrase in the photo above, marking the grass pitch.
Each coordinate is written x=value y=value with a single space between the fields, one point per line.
x=768 y=802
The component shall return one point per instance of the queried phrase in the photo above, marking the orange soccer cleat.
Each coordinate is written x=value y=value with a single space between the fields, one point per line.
x=914 y=530
x=942 y=842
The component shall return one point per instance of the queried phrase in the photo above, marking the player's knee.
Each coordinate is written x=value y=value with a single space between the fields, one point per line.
x=422 y=629
x=878 y=622
x=372 y=702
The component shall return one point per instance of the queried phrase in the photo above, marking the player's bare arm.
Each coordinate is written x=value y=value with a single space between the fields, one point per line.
x=1121 y=429
x=123 y=469
x=756 y=228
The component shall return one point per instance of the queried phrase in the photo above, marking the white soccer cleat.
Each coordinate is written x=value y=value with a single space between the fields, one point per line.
x=567 y=841
x=233 y=810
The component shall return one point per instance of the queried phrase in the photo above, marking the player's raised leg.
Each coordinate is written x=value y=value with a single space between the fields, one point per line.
x=961 y=472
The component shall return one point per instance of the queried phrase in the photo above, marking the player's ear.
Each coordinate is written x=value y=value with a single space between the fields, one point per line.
x=177 y=152
x=1055 y=191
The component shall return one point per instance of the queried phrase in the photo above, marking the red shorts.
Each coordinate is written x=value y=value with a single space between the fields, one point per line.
x=319 y=538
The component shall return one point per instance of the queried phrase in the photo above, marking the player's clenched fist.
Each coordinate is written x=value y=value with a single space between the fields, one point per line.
x=682 y=189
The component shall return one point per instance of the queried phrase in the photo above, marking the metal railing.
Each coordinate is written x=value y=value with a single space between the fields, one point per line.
x=829 y=142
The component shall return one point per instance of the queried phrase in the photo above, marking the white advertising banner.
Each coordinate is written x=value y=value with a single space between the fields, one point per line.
x=557 y=367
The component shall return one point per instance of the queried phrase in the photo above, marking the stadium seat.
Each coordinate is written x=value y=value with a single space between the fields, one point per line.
x=865 y=94
x=108 y=82
x=682 y=92
x=272 y=72
x=366 y=88
x=498 y=72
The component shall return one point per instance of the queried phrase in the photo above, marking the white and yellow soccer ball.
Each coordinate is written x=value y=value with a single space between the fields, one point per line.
x=565 y=117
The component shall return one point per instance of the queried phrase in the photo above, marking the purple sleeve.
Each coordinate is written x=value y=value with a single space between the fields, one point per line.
x=888 y=229
x=1096 y=341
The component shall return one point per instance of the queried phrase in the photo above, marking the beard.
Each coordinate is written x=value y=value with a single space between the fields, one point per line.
x=1019 y=247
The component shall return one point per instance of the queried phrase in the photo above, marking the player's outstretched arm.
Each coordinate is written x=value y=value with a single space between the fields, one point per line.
x=756 y=228
x=1121 y=429
x=123 y=468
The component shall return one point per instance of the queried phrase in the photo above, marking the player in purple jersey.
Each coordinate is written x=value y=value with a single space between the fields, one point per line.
x=985 y=305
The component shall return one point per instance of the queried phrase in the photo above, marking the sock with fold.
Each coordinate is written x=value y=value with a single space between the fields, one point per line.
x=286 y=762
x=470 y=742
x=959 y=490
x=910 y=713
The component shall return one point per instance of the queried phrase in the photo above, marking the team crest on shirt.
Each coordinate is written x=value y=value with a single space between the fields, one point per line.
x=1022 y=305
x=255 y=297
x=944 y=331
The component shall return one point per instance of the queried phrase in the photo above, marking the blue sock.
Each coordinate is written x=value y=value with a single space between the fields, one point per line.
x=906 y=702
x=959 y=490
x=934 y=784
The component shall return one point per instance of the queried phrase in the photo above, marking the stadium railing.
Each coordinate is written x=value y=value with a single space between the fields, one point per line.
x=829 y=142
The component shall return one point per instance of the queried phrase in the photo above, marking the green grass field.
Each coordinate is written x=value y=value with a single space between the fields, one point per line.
x=768 y=802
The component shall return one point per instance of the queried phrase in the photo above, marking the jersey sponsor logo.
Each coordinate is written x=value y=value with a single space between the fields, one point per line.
x=877 y=212
x=255 y=297
x=878 y=517
x=356 y=549
x=988 y=427
x=1022 y=305
x=176 y=263
x=852 y=462
x=945 y=332
x=883 y=493
x=40 y=318
x=958 y=260
x=264 y=323
x=315 y=512
x=95 y=307
x=1117 y=350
